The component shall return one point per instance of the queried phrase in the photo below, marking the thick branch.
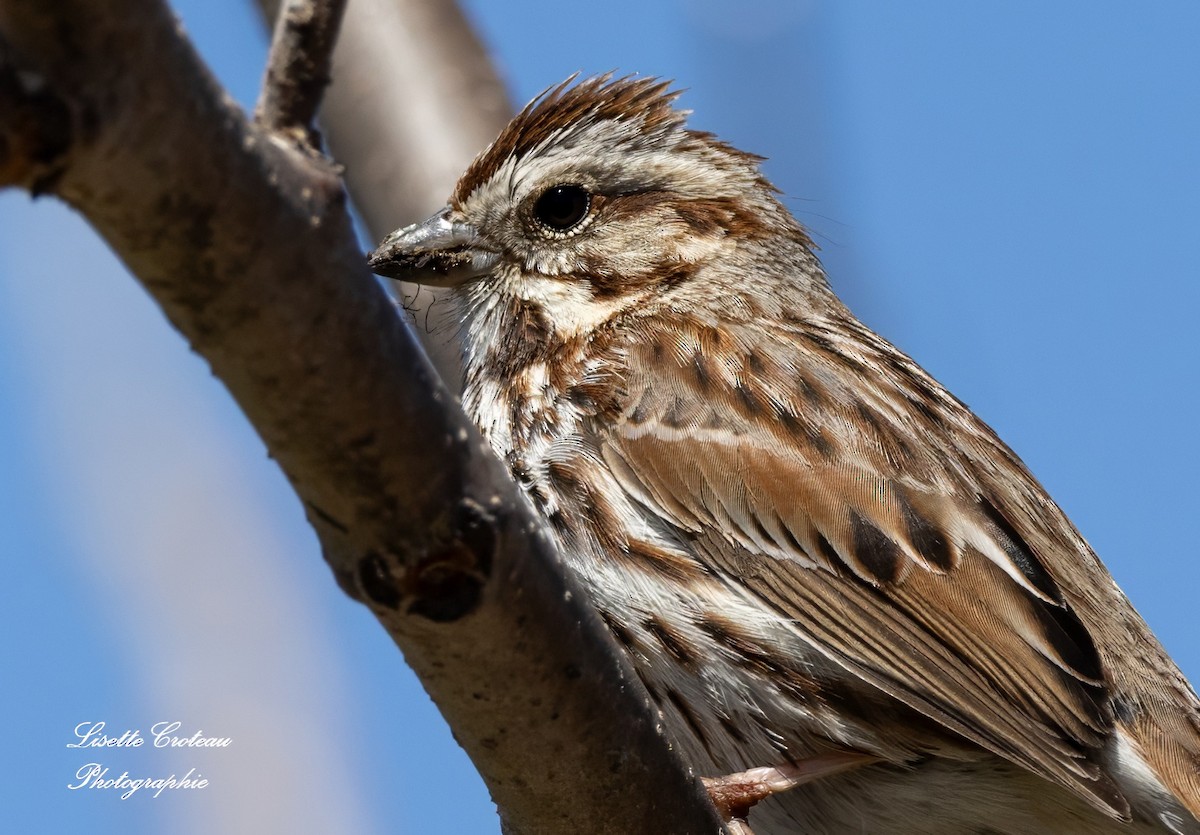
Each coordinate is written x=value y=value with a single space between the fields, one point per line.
x=247 y=247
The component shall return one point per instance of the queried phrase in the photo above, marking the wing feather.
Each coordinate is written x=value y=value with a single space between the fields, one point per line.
x=880 y=540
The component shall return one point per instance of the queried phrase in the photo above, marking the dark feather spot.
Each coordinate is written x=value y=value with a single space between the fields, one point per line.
x=810 y=393
x=589 y=397
x=820 y=341
x=605 y=284
x=750 y=655
x=874 y=550
x=643 y=409
x=719 y=216
x=791 y=423
x=754 y=365
x=1017 y=550
x=805 y=433
x=868 y=417
x=733 y=730
x=1070 y=639
x=674 y=273
x=822 y=444
x=790 y=539
x=900 y=451
x=701 y=371
x=1123 y=710
x=675 y=415
x=675 y=644
x=541 y=498
x=655 y=696
x=579 y=497
x=827 y=550
x=602 y=518
x=608 y=285
x=761 y=529
x=623 y=635
x=882 y=434
x=748 y=399
x=714 y=419
x=1065 y=632
x=926 y=538
x=647 y=556
x=853 y=364
x=925 y=408
x=745 y=651
x=689 y=717
x=564 y=478
x=529 y=331
x=559 y=522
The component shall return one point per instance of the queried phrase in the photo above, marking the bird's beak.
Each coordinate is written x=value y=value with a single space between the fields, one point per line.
x=438 y=252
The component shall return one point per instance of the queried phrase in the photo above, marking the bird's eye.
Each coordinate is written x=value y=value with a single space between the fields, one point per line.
x=562 y=207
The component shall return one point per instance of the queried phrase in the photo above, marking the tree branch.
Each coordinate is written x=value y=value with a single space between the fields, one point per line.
x=247 y=247
x=298 y=68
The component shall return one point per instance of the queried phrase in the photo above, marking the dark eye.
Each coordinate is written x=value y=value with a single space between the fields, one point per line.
x=561 y=207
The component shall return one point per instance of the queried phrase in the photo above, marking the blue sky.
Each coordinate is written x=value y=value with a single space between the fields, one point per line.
x=1010 y=193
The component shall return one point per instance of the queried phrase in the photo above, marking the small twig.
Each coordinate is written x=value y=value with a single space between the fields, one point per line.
x=298 y=68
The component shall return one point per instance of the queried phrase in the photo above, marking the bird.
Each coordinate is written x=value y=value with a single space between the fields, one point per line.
x=839 y=587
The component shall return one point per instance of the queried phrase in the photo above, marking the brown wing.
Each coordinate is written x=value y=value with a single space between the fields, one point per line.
x=889 y=525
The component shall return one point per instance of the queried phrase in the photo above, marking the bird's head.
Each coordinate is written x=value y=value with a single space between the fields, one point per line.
x=594 y=199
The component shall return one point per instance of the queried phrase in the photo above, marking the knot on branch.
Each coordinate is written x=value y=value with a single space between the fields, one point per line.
x=444 y=583
x=36 y=131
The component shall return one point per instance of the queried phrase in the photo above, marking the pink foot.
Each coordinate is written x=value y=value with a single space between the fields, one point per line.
x=735 y=794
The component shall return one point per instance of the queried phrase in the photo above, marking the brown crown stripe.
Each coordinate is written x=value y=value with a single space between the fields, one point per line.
x=594 y=99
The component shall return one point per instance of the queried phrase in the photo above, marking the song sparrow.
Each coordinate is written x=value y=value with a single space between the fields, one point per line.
x=816 y=557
